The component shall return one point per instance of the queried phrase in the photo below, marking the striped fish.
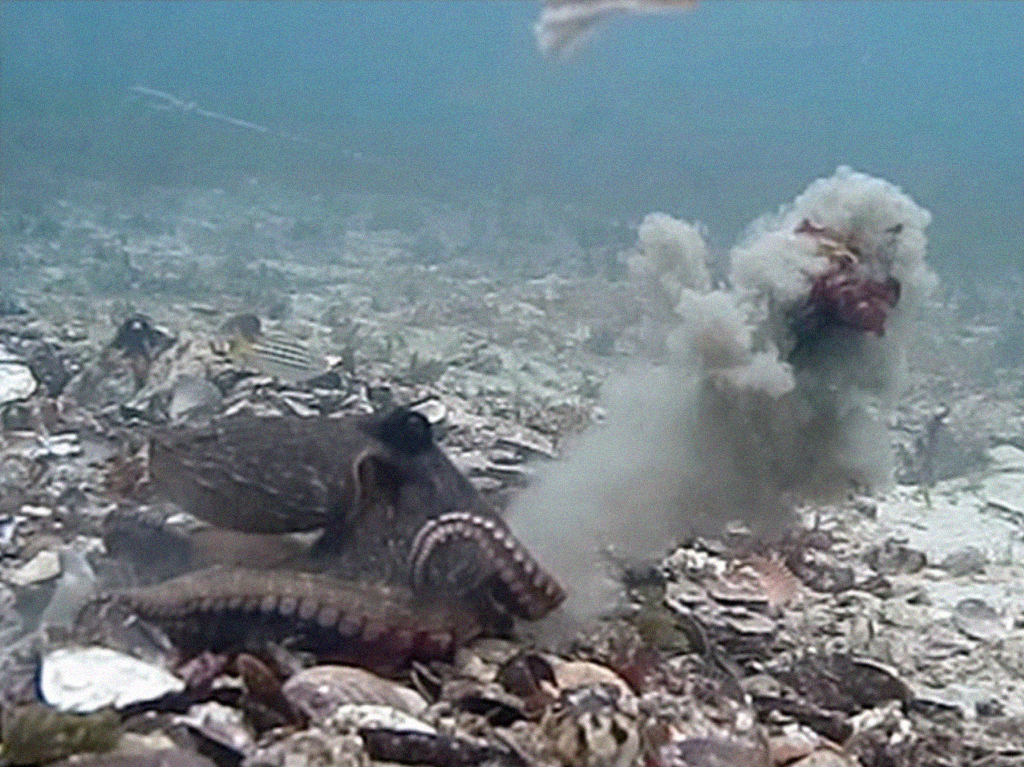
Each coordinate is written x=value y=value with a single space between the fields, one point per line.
x=271 y=352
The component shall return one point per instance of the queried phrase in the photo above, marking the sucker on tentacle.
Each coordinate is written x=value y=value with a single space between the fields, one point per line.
x=231 y=609
x=532 y=592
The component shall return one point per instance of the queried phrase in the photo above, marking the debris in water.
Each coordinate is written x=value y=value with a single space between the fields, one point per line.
x=563 y=25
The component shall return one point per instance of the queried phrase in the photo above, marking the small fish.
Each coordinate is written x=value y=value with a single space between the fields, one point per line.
x=563 y=25
x=140 y=343
x=271 y=352
x=137 y=336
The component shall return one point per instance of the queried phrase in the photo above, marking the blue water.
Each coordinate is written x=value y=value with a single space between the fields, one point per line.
x=718 y=114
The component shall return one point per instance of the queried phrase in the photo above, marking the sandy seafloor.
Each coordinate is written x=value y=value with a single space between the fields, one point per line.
x=480 y=314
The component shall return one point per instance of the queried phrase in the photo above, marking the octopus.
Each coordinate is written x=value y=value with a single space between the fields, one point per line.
x=409 y=561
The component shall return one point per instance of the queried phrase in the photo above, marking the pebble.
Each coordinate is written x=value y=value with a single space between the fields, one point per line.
x=826 y=758
x=35 y=511
x=56 y=446
x=193 y=396
x=978 y=620
x=1005 y=491
x=1007 y=458
x=968 y=560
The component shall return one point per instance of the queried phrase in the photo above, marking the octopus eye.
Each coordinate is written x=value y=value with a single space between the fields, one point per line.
x=406 y=431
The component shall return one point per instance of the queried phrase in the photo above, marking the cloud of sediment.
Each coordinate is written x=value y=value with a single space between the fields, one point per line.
x=768 y=391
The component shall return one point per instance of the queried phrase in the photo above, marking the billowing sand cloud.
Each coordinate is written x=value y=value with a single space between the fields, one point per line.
x=771 y=389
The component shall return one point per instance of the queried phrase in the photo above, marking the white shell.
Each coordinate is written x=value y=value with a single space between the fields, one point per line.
x=358 y=716
x=433 y=410
x=42 y=567
x=16 y=382
x=84 y=679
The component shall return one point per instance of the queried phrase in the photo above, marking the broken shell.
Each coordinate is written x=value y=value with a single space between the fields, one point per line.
x=138 y=756
x=593 y=726
x=744 y=621
x=524 y=674
x=736 y=588
x=320 y=690
x=55 y=446
x=441 y=750
x=16 y=382
x=42 y=567
x=570 y=675
x=193 y=397
x=488 y=700
x=219 y=725
x=712 y=752
x=826 y=758
x=84 y=679
x=371 y=716
x=433 y=410
x=978 y=620
x=894 y=558
x=793 y=742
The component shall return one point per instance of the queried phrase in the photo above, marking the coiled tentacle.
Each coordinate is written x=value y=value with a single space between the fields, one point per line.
x=227 y=609
x=532 y=592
